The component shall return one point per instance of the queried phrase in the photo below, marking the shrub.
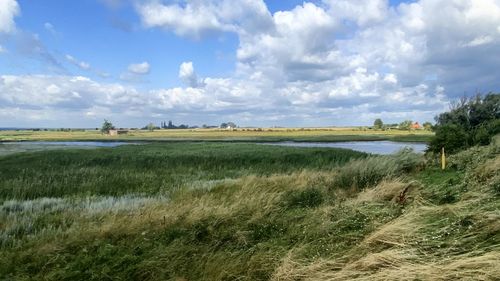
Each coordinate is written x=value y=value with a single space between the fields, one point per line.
x=452 y=137
x=470 y=122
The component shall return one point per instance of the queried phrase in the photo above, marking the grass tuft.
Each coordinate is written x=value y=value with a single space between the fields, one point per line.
x=307 y=198
x=362 y=173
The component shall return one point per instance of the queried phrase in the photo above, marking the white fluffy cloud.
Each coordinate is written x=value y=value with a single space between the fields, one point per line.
x=139 y=68
x=136 y=72
x=63 y=91
x=8 y=10
x=359 y=55
x=361 y=12
x=188 y=75
x=197 y=18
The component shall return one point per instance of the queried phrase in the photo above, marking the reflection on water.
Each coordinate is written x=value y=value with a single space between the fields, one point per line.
x=14 y=147
x=70 y=143
x=375 y=147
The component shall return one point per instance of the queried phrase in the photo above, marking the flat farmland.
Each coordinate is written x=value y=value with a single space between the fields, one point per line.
x=239 y=134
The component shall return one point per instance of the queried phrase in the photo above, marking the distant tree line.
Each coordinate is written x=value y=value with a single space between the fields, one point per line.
x=171 y=125
x=378 y=124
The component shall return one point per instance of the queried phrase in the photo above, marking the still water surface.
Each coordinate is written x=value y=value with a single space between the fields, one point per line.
x=70 y=143
x=14 y=147
x=375 y=147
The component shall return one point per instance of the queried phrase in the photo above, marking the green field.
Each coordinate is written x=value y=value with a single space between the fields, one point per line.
x=234 y=211
x=240 y=134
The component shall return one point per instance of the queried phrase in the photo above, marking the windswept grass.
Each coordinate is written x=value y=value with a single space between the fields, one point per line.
x=151 y=169
x=280 y=215
x=361 y=173
x=429 y=240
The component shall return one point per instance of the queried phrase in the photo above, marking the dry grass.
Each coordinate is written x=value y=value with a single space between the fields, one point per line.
x=399 y=265
x=206 y=134
x=489 y=169
x=260 y=194
x=396 y=190
x=458 y=241
x=394 y=252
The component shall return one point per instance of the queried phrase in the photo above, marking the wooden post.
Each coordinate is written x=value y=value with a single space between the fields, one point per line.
x=443 y=159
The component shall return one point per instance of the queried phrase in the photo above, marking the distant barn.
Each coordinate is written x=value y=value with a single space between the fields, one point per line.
x=416 y=126
x=117 y=132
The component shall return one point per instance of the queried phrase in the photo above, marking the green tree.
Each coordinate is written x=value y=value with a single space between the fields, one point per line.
x=106 y=127
x=450 y=136
x=378 y=124
x=150 y=127
x=405 y=125
x=474 y=121
x=427 y=126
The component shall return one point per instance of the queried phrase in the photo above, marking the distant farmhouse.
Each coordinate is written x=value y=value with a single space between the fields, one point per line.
x=115 y=132
x=416 y=126
x=229 y=126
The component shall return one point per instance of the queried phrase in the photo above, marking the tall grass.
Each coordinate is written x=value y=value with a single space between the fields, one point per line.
x=151 y=169
x=268 y=221
x=362 y=173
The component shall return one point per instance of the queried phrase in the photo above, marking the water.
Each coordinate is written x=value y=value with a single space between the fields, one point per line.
x=375 y=147
x=14 y=147
x=69 y=143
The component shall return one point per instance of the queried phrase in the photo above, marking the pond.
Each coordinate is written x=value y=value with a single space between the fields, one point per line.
x=375 y=147
x=14 y=147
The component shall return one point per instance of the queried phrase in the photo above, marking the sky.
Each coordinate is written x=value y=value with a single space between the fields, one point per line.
x=252 y=62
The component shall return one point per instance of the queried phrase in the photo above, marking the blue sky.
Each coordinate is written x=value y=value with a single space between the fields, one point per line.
x=110 y=39
x=253 y=62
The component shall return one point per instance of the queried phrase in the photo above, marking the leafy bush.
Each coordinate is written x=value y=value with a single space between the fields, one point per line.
x=368 y=172
x=470 y=122
x=452 y=137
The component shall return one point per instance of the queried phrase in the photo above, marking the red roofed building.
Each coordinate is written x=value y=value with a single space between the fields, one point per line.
x=415 y=126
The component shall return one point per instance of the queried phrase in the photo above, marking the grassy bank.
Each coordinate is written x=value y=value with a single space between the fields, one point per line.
x=151 y=169
x=212 y=211
x=240 y=134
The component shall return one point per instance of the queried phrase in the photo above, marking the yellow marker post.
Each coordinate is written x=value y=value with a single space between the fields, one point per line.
x=443 y=159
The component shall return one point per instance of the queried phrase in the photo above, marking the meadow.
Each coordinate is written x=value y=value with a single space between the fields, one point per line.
x=241 y=211
x=239 y=134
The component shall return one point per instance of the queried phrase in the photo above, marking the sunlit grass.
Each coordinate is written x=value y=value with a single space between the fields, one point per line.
x=246 y=212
